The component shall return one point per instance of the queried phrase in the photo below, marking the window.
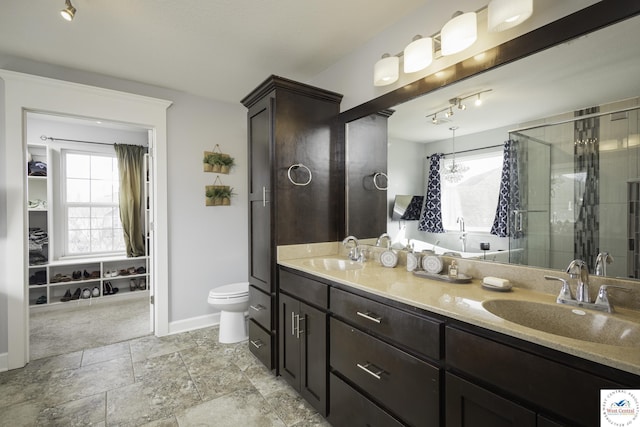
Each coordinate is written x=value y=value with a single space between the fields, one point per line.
x=475 y=197
x=90 y=204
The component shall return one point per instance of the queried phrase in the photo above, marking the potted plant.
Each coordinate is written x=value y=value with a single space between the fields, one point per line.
x=226 y=162
x=208 y=164
x=219 y=195
x=215 y=160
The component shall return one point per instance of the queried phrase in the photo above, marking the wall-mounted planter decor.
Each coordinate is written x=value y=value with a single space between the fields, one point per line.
x=216 y=161
x=218 y=194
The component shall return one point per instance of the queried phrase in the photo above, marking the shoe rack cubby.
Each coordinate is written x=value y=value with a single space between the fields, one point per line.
x=53 y=283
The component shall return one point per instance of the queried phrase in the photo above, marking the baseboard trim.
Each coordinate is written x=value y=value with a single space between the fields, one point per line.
x=4 y=362
x=194 y=323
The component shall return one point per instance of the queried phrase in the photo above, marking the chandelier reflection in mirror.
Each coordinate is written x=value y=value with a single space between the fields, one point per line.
x=454 y=172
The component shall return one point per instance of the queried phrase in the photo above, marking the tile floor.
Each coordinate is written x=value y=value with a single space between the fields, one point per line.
x=187 y=379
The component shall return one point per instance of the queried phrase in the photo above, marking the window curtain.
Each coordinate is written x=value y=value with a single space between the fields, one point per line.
x=431 y=215
x=130 y=165
x=509 y=195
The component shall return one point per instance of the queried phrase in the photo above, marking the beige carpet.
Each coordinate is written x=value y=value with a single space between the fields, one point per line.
x=79 y=328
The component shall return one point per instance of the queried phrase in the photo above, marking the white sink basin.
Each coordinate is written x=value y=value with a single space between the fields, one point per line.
x=333 y=264
x=567 y=321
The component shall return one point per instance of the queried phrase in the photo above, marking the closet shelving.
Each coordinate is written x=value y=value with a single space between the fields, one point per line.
x=50 y=280
x=100 y=270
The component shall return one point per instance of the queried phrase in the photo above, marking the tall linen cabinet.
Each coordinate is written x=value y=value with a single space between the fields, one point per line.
x=291 y=189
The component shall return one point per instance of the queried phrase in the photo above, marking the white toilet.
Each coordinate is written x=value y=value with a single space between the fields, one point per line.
x=232 y=301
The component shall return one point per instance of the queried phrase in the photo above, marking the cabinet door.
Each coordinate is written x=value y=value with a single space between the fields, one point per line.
x=313 y=354
x=260 y=135
x=468 y=405
x=289 y=340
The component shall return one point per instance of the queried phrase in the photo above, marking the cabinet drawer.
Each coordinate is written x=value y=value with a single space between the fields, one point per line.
x=406 y=386
x=560 y=389
x=260 y=344
x=260 y=307
x=412 y=332
x=351 y=409
x=305 y=289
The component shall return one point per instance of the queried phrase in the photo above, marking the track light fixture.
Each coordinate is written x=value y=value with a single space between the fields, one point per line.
x=459 y=33
x=69 y=11
x=456 y=102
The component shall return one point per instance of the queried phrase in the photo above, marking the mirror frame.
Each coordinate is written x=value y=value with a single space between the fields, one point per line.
x=577 y=24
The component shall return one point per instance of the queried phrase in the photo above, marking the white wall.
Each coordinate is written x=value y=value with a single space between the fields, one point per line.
x=207 y=245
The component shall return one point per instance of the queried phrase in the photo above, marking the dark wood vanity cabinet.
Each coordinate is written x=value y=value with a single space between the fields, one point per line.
x=511 y=382
x=383 y=358
x=302 y=337
x=288 y=124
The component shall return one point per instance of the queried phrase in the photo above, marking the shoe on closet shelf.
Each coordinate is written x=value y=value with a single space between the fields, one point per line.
x=109 y=289
x=86 y=275
x=67 y=296
x=95 y=292
x=86 y=293
x=41 y=300
x=142 y=284
x=76 y=294
x=141 y=270
x=133 y=285
x=131 y=270
x=94 y=275
x=76 y=275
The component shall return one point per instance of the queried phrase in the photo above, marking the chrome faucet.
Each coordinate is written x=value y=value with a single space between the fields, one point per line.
x=355 y=253
x=578 y=269
x=384 y=236
x=463 y=234
x=602 y=260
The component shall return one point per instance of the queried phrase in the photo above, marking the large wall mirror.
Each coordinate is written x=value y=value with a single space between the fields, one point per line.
x=574 y=200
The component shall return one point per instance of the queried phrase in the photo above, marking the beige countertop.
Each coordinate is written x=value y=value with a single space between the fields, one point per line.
x=460 y=301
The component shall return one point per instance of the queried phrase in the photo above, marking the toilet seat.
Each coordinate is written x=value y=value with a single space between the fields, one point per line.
x=234 y=290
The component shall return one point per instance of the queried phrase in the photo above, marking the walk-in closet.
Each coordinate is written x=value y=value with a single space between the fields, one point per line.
x=89 y=206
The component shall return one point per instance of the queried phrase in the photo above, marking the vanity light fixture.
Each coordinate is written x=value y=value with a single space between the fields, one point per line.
x=418 y=54
x=69 y=11
x=505 y=14
x=459 y=33
x=386 y=70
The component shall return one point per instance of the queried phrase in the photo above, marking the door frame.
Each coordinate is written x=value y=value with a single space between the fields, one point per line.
x=20 y=93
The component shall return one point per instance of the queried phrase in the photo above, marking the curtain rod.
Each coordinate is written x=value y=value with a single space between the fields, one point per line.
x=50 y=138
x=470 y=150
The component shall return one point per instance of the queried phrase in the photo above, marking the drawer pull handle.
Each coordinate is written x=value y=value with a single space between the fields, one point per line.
x=375 y=374
x=370 y=316
x=257 y=343
x=258 y=307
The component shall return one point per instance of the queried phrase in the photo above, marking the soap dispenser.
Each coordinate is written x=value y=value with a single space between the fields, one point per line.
x=453 y=269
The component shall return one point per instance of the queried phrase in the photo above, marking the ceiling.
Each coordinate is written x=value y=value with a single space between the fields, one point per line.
x=220 y=49
x=598 y=68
